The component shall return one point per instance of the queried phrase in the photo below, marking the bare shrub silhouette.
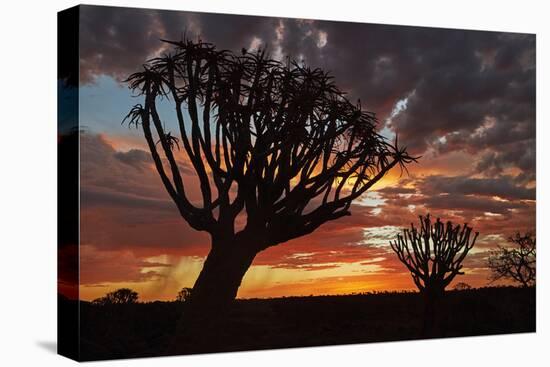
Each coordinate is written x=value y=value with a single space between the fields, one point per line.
x=461 y=286
x=517 y=263
x=119 y=297
x=433 y=254
x=274 y=144
x=184 y=294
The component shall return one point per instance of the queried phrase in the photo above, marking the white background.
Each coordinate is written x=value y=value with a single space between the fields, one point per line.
x=28 y=182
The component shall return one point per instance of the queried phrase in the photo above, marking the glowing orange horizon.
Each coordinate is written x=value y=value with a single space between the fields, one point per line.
x=158 y=269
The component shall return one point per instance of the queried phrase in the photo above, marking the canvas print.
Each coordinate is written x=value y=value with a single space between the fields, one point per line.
x=232 y=183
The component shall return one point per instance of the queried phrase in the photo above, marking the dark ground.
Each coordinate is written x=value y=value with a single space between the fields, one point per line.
x=146 y=329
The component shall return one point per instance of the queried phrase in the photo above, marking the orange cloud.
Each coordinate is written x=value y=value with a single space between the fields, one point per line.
x=132 y=235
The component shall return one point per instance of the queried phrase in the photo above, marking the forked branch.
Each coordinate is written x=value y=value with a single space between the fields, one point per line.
x=276 y=140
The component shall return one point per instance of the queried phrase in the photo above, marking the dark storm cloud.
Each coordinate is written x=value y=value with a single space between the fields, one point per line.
x=114 y=41
x=127 y=201
x=503 y=187
x=462 y=196
x=98 y=198
x=134 y=157
x=478 y=205
x=472 y=100
x=112 y=178
x=464 y=90
x=521 y=155
x=396 y=191
x=233 y=32
x=117 y=41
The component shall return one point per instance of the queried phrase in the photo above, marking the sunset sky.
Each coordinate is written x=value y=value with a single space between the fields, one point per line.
x=463 y=100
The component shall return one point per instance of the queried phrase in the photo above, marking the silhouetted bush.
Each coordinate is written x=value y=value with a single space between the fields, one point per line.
x=118 y=297
x=184 y=294
x=461 y=286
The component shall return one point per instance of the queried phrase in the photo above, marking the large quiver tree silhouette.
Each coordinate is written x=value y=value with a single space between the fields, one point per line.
x=276 y=144
x=433 y=254
x=517 y=263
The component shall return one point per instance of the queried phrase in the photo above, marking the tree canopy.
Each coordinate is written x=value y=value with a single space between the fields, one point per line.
x=517 y=263
x=434 y=252
x=119 y=297
x=275 y=139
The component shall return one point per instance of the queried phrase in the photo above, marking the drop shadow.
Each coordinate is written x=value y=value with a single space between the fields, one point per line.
x=48 y=345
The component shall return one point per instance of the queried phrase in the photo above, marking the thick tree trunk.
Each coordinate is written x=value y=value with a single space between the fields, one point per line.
x=432 y=296
x=215 y=289
x=220 y=278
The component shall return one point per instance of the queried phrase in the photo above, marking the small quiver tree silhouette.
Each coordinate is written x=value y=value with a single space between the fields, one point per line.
x=121 y=296
x=275 y=144
x=517 y=263
x=433 y=254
